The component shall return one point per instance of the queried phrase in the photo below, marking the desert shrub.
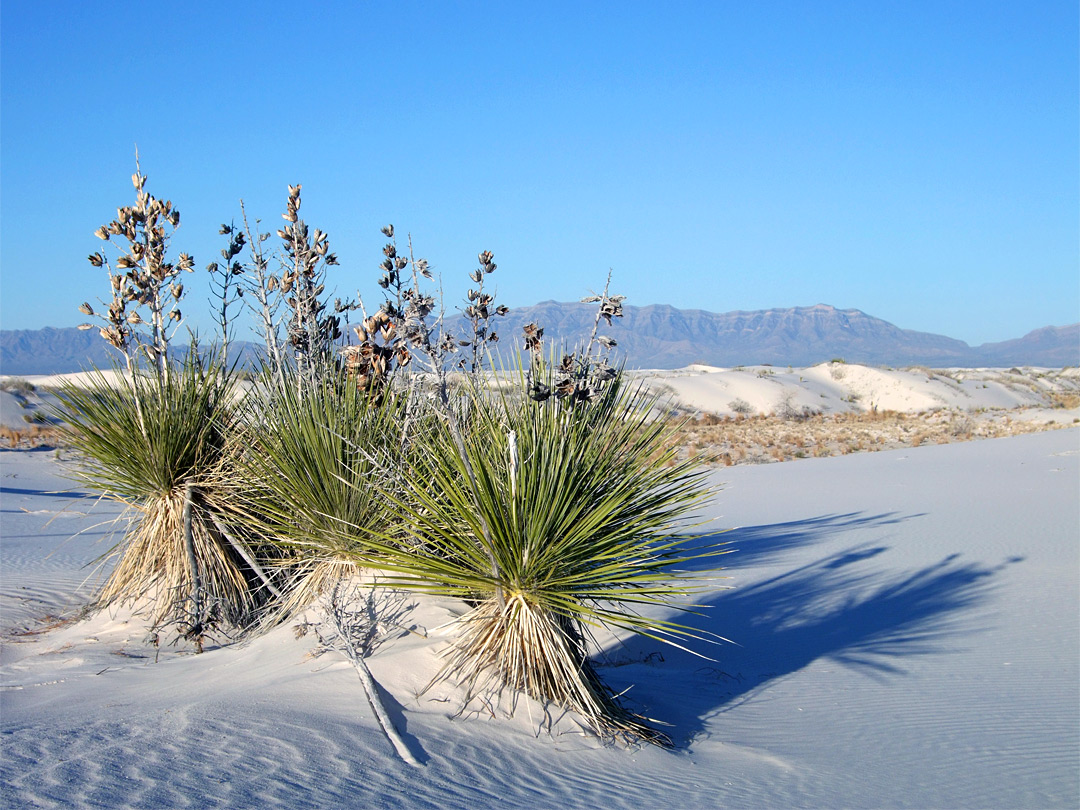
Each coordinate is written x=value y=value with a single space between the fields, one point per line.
x=318 y=469
x=741 y=407
x=18 y=386
x=553 y=506
x=157 y=437
x=553 y=519
x=157 y=444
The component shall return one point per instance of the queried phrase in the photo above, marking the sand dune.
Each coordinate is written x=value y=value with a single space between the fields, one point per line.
x=907 y=628
x=839 y=387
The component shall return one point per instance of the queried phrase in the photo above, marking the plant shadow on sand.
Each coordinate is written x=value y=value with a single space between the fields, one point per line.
x=757 y=545
x=71 y=495
x=831 y=608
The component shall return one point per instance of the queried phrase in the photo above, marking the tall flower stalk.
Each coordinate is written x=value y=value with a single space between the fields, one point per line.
x=142 y=279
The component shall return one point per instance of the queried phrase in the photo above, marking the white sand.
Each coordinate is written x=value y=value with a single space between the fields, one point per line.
x=908 y=628
x=838 y=387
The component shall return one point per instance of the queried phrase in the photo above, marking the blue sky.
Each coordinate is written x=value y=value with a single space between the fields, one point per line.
x=915 y=160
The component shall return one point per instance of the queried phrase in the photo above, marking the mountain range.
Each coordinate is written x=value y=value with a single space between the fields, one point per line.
x=661 y=336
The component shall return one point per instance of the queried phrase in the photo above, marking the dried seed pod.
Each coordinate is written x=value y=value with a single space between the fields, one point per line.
x=112 y=336
x=96 y=259
x=539 y=392
x=102 y=233
x=86 y=309
x=82 y=327
x=533 y=337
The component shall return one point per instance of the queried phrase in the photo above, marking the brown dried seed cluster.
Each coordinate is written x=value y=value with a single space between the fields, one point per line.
x=371 y=362
x=142 y=277
x=312 y=327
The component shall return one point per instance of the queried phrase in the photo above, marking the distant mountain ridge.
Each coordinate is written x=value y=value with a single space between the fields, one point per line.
x=661 y=336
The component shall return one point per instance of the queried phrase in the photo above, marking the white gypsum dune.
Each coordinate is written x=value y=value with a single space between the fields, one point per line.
x=906 y=629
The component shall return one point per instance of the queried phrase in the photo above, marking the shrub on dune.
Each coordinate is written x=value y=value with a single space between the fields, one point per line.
x=316 y=461
x=157 y=443
x=553 y=519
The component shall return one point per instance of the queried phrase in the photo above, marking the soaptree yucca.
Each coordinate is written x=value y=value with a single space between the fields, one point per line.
x=157 y=442
x=316 y=463
x=553 y=519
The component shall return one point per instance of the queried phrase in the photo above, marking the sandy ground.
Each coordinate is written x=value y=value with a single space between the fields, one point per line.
x=905 y=628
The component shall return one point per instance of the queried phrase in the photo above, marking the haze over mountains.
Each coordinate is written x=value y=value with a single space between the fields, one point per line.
x=661 y=336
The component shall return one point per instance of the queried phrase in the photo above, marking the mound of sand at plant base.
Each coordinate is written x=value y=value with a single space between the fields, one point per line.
x=838 y=387
x=908 y=628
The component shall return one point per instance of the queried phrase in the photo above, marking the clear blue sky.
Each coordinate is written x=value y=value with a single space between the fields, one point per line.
x=915 y=160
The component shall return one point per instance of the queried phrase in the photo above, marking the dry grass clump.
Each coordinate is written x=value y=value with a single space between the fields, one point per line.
x=766 y=438
x=32 y=436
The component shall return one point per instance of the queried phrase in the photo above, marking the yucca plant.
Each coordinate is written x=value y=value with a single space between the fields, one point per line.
x=157 y=443
x=316 y=464
x=553 y=519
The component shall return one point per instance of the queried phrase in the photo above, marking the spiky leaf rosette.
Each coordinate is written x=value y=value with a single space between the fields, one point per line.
x=144 y=441
x=582 y=520
x=317 y=462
